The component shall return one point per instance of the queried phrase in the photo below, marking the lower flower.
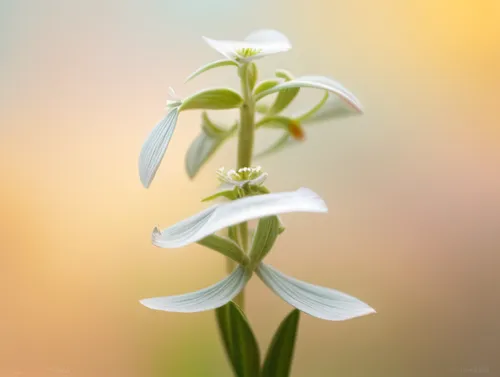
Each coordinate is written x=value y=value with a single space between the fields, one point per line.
x=320 y=302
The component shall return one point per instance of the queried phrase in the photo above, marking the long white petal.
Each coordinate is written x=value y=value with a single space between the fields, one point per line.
x=223 y=215
x=321 y=302
x=316 y=82
x=262 y=42
x=205 y=299
x=155 y=146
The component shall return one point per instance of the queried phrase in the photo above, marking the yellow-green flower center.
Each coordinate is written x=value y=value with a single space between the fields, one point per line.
x=248 y=52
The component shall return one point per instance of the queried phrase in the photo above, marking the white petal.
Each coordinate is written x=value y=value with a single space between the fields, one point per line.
x=223 y=215
x=316 y=82
x=265 y=42
x=321 y=302
x=155 y=146
x=205 y=299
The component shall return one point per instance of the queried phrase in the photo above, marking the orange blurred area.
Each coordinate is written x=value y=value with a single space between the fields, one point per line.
x=413 y=186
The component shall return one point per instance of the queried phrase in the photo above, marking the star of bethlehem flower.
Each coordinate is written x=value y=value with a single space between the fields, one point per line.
x=256 y=45
x=253 y=176
x=317 y=301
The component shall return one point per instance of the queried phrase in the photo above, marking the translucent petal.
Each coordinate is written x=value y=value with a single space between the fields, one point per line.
x=155 y=147
x=258 y=44
x=224 y=215
x=316 y=82
x=205 y=299
x=320 y=302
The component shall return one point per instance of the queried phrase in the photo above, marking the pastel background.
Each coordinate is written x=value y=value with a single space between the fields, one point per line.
x=413 y=186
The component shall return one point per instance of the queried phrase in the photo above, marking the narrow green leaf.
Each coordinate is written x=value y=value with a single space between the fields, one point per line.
x=285 y=96
x=212 y=99
x=253 y=75
x=261 y=108
x=265 y=85
x=239 y=341
x=232 y=233
x=279 y=356
x=283 y=74
x=226 y=247
x=274 y=121
x=264 y=238
x=205 y=145
x=209 y=66
x=228 y=194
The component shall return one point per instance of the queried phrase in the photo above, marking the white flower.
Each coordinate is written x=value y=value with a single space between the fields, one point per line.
x=317 y=301
x=256 y=45
x=253 y=176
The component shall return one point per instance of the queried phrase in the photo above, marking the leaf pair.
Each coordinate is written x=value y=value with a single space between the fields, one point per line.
x=243 y=351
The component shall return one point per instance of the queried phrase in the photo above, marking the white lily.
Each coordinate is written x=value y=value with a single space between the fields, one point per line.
x=317 y=301
x=256 y=45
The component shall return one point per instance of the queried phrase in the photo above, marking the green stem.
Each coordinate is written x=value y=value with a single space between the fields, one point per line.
x=245 y=151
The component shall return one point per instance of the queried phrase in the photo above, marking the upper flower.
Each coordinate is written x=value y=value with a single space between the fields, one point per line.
x=317 y=301
x=256 y=45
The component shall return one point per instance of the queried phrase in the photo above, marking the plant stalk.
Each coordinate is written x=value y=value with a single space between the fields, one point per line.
x=245 y=151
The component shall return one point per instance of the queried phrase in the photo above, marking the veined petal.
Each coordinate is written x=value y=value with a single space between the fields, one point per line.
x=155 y=146
x=256 y=45
x=316 y=82
x=205 y=299
x=320 y=302
x=224 y=215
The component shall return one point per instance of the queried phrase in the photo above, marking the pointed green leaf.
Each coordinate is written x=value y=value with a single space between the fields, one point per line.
x=226 y=247
x=261 y=108
x=239 y=341
x=205 y=145
x=274 y=121
x=232 y=233
x=283 y=74
x=330 y=107
x=212 y=65
x=279 y=356
x=212 y=99
x=253 y=75
x=285 y=96
x=265 y=85
x=228 y=194
x=264 y=238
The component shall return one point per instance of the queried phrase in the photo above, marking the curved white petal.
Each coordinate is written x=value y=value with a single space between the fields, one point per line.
x=321 y=302
x=224 y=215
x=262 y=42
x=155 y=146
x=205 y=299
x=316 y=82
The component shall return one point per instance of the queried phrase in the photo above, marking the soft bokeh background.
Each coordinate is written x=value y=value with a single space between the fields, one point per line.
x=413 y=186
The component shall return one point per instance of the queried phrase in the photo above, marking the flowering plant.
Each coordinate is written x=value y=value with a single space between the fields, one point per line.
x=223 y=227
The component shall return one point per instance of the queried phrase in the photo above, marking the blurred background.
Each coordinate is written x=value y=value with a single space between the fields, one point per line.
x=413 y=186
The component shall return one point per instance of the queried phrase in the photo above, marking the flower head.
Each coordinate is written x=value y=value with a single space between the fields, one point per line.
x=317 y=301
x=253 y=176
x=256 y=45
